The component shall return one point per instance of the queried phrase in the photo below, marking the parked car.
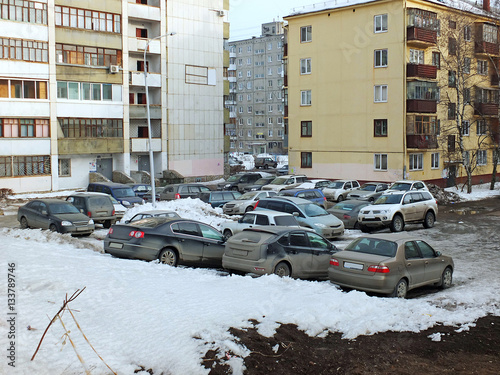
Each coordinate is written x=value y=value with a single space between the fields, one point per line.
x=180 y=191
x=245 y=202
x=308 y=214
x=259 y=183
x=284 y=251
x=338 y=190
x=121 y=192
x=119 y=208
x=390 y=264
x=314 y=184
x=140 y=189
x=285 y=182
x=313 y=195
x=282 y=170
x=406 y=185
x=218 y=198
x=369 y=191
x=397 y=208
x=172 y=241
x=239 y=181
x=98 y=207
x=263 y=217
x=56 y=215
x=265 y=162
x=233 y=162
x=348 y=212
x=153 y=213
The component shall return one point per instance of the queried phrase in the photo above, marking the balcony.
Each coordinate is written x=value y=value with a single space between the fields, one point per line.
x=486 y=109
x=150 y=11
x=84 y=146
x=495 y=81
x=138 y=111
x=421 y=141
x=486 y=48
x=139 y=44
x=421 y=37
x=421 y=106
x=421 y=71
x=136 y=78
x=142 y=144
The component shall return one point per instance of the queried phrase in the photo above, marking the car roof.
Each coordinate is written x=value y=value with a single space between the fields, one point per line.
x=290 y=199
x=394 y=237
x=295 y=191
x=50 y=200
x=269 y=213
x=89 y=194
x=154 y=212
x=355 y=202
x=291 y=175
x=109 y=184
x=272 y=229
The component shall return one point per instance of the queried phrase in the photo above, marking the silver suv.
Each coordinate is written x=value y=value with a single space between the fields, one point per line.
x=396 y=208
x=285 y=182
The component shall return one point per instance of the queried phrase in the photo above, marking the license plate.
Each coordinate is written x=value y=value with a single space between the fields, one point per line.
x=240 y=252
x=115 y=245
x=354 y=266
x=81 y=228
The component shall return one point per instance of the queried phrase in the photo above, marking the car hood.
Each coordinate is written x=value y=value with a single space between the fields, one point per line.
x=360 y=193
x=71 y=217
x=380 y=207
x=326 y=220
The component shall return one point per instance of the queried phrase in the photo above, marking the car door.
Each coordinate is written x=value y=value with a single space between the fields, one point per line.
x=213 y=245
x=189 y=241
x=299 y=253
x=408 y=207
x=434 y=266
x=32 y=213
x=321 y=251
x=42 y=216
x=414 y=263
x=247 y=221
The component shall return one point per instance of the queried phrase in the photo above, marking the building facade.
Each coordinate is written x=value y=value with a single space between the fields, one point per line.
x=391 y=89
x=73 y=97
x=256 y=101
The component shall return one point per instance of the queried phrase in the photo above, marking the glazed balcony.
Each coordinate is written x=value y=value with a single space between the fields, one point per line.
x=421 y=106
x=421 y=71
x=486 y=48
x=486 y=109
x=421 y=141
x=418 y=36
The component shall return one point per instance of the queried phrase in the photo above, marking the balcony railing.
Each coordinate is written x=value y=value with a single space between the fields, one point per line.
x=421 y=141
x=421 y=106
x=486 y=48
x=419 y=35
x=486 y=109
x=421 y=71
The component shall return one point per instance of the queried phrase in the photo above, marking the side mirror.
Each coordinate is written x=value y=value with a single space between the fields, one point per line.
x=81 y=210
x=296 y=214
x=240 y=220
x=127 y=221
x=438 y=253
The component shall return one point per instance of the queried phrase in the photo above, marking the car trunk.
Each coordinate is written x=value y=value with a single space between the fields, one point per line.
x=122 y=232
x=357 y=262
x=247 y=245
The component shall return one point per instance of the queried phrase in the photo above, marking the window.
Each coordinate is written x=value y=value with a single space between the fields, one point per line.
x=380 y=93
x=269 y=46
x=91 y=127
x=249 y=85
x=452 y=110
x=249 y=109
x=466 y=157
x=490 y=33
x=249 y=134
x=25 y=50
x=90 y=20
x=88 y=56
x=249 y=121
x=23 y=89
x=306 y=159
x=270 y=108
x=305 y=34
x=240 y=97
x=416 y=162
x=240 y=109
x=380 y=162
x=270 y=83
x=306 y=128
x=482 y=67
x=240 y=61
x=270 y=58
x=452 y=24
x=25 y=11
x=451 y=143
x=422 y=90
x=452 y=46
x=249 y=97
x=465 y=128
x=482 y=157
x=249 y=73
x=452 y=78
x=481 y=127
x=25 y=165
x=64 y=167
x=305 y=66
x=249 y=48
x=416 y=56
x=467 y=65
x=435 y=160
x=380 y=128
x=436 y=59
x=466 y=95
x=249 y=61
x=270 y=133
x=269 y=71
x=305 y=97
x=380 y=58
x=467 y=33
x=25 y=128
x=380 y=23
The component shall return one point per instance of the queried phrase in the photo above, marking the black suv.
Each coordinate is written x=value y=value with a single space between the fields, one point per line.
x=239 y=181
x=178 y=191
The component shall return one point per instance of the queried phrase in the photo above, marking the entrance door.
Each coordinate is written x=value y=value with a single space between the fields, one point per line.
x=105 y=167
x=144 y=163
x=452 y=173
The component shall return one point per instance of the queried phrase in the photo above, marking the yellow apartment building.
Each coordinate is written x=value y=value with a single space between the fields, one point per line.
x=392 y=89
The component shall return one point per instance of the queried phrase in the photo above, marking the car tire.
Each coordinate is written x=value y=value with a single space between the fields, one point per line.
x=446 y=278
x=53 y=228
x=169 y=256
x=234 y=188
x=429 y=219
x=397 y=223
x=357 y=226
x=282 y=269
x=266 y=166
x=340 y=198
x=227 y=233
x=107 y=224
x=24 y=223
x=248 y=209
x=401 y=289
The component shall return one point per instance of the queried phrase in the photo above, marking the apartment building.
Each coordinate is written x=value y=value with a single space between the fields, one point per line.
x=73 y=97
x=392 y=89
x=256 y=101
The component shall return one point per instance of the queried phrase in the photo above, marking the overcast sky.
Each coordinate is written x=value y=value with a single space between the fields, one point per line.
x=246 y=16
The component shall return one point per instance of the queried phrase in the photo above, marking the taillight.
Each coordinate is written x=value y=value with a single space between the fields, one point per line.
x=113 y=213
x=324 y=198
x=136 y=234
x=346 y=217
x=334 y=262
x=89 y=214
x=256 y=204
x=378 y=269
x=177 y=196
x=110 y=231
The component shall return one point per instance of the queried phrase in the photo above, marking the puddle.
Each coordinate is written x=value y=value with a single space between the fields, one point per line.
x=466 y=212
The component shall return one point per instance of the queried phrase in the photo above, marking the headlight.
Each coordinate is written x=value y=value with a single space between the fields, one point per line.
x=227 y=185
x=320 y=225
x=253 y=189
x=66 y=223
x=384 y=211
x=91 y=222
x=126 y=203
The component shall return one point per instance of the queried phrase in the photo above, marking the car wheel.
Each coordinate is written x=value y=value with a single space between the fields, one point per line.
x=401 y=289
x=169 y=256
x=282 y=269
x=429 y=220
x=249 y=208
x=266 y=166
x=53 y=228
x=107 y=224
x=357 y=226
x=227 y=233
x=364 y=228
x=340 y=198
x=234 y=188
x=446 y=278
x=397 y=224
x=24 y=223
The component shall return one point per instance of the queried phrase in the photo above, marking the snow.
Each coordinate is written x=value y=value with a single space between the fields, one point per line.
x=138 y=313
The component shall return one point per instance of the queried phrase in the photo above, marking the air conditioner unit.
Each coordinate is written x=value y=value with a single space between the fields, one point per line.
x=221 y=13
x=114 y=69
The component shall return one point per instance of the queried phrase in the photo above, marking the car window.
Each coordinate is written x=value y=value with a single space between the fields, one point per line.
x=248 y=219
x=426 y=250
x=418 y=185
x=373 y=246
x=106 y=190
x=34 y=206
x=283 y=241
x=426 y=195
x=261 y=195
x=348 y=185
x=217 y=196
x=317 y=241
x=389 y=199
x=204 y=188
x=298 y=239
x=287 y=221
x=290 y=208
x=185 y=228
x=276 y=206
x=42 y=207
x=262 y=220
x=408 y=199
x=209 y=232
x=355 y=184
x=61 y=208
x=411 y=251
x=229 y=196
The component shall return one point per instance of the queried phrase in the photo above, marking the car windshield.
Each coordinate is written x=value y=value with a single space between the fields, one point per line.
x=63 y=208
x=247 y=196
x=313 y=210
x=389 y=199
x=262 y=181
x=402 y=186
x=286 y=221
x=335 y=185
x=233 y=178
x=124 y=192
x=373 y=246
x=279 y=181
x=368 y=187
x=347 y=206
x=99 y=201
